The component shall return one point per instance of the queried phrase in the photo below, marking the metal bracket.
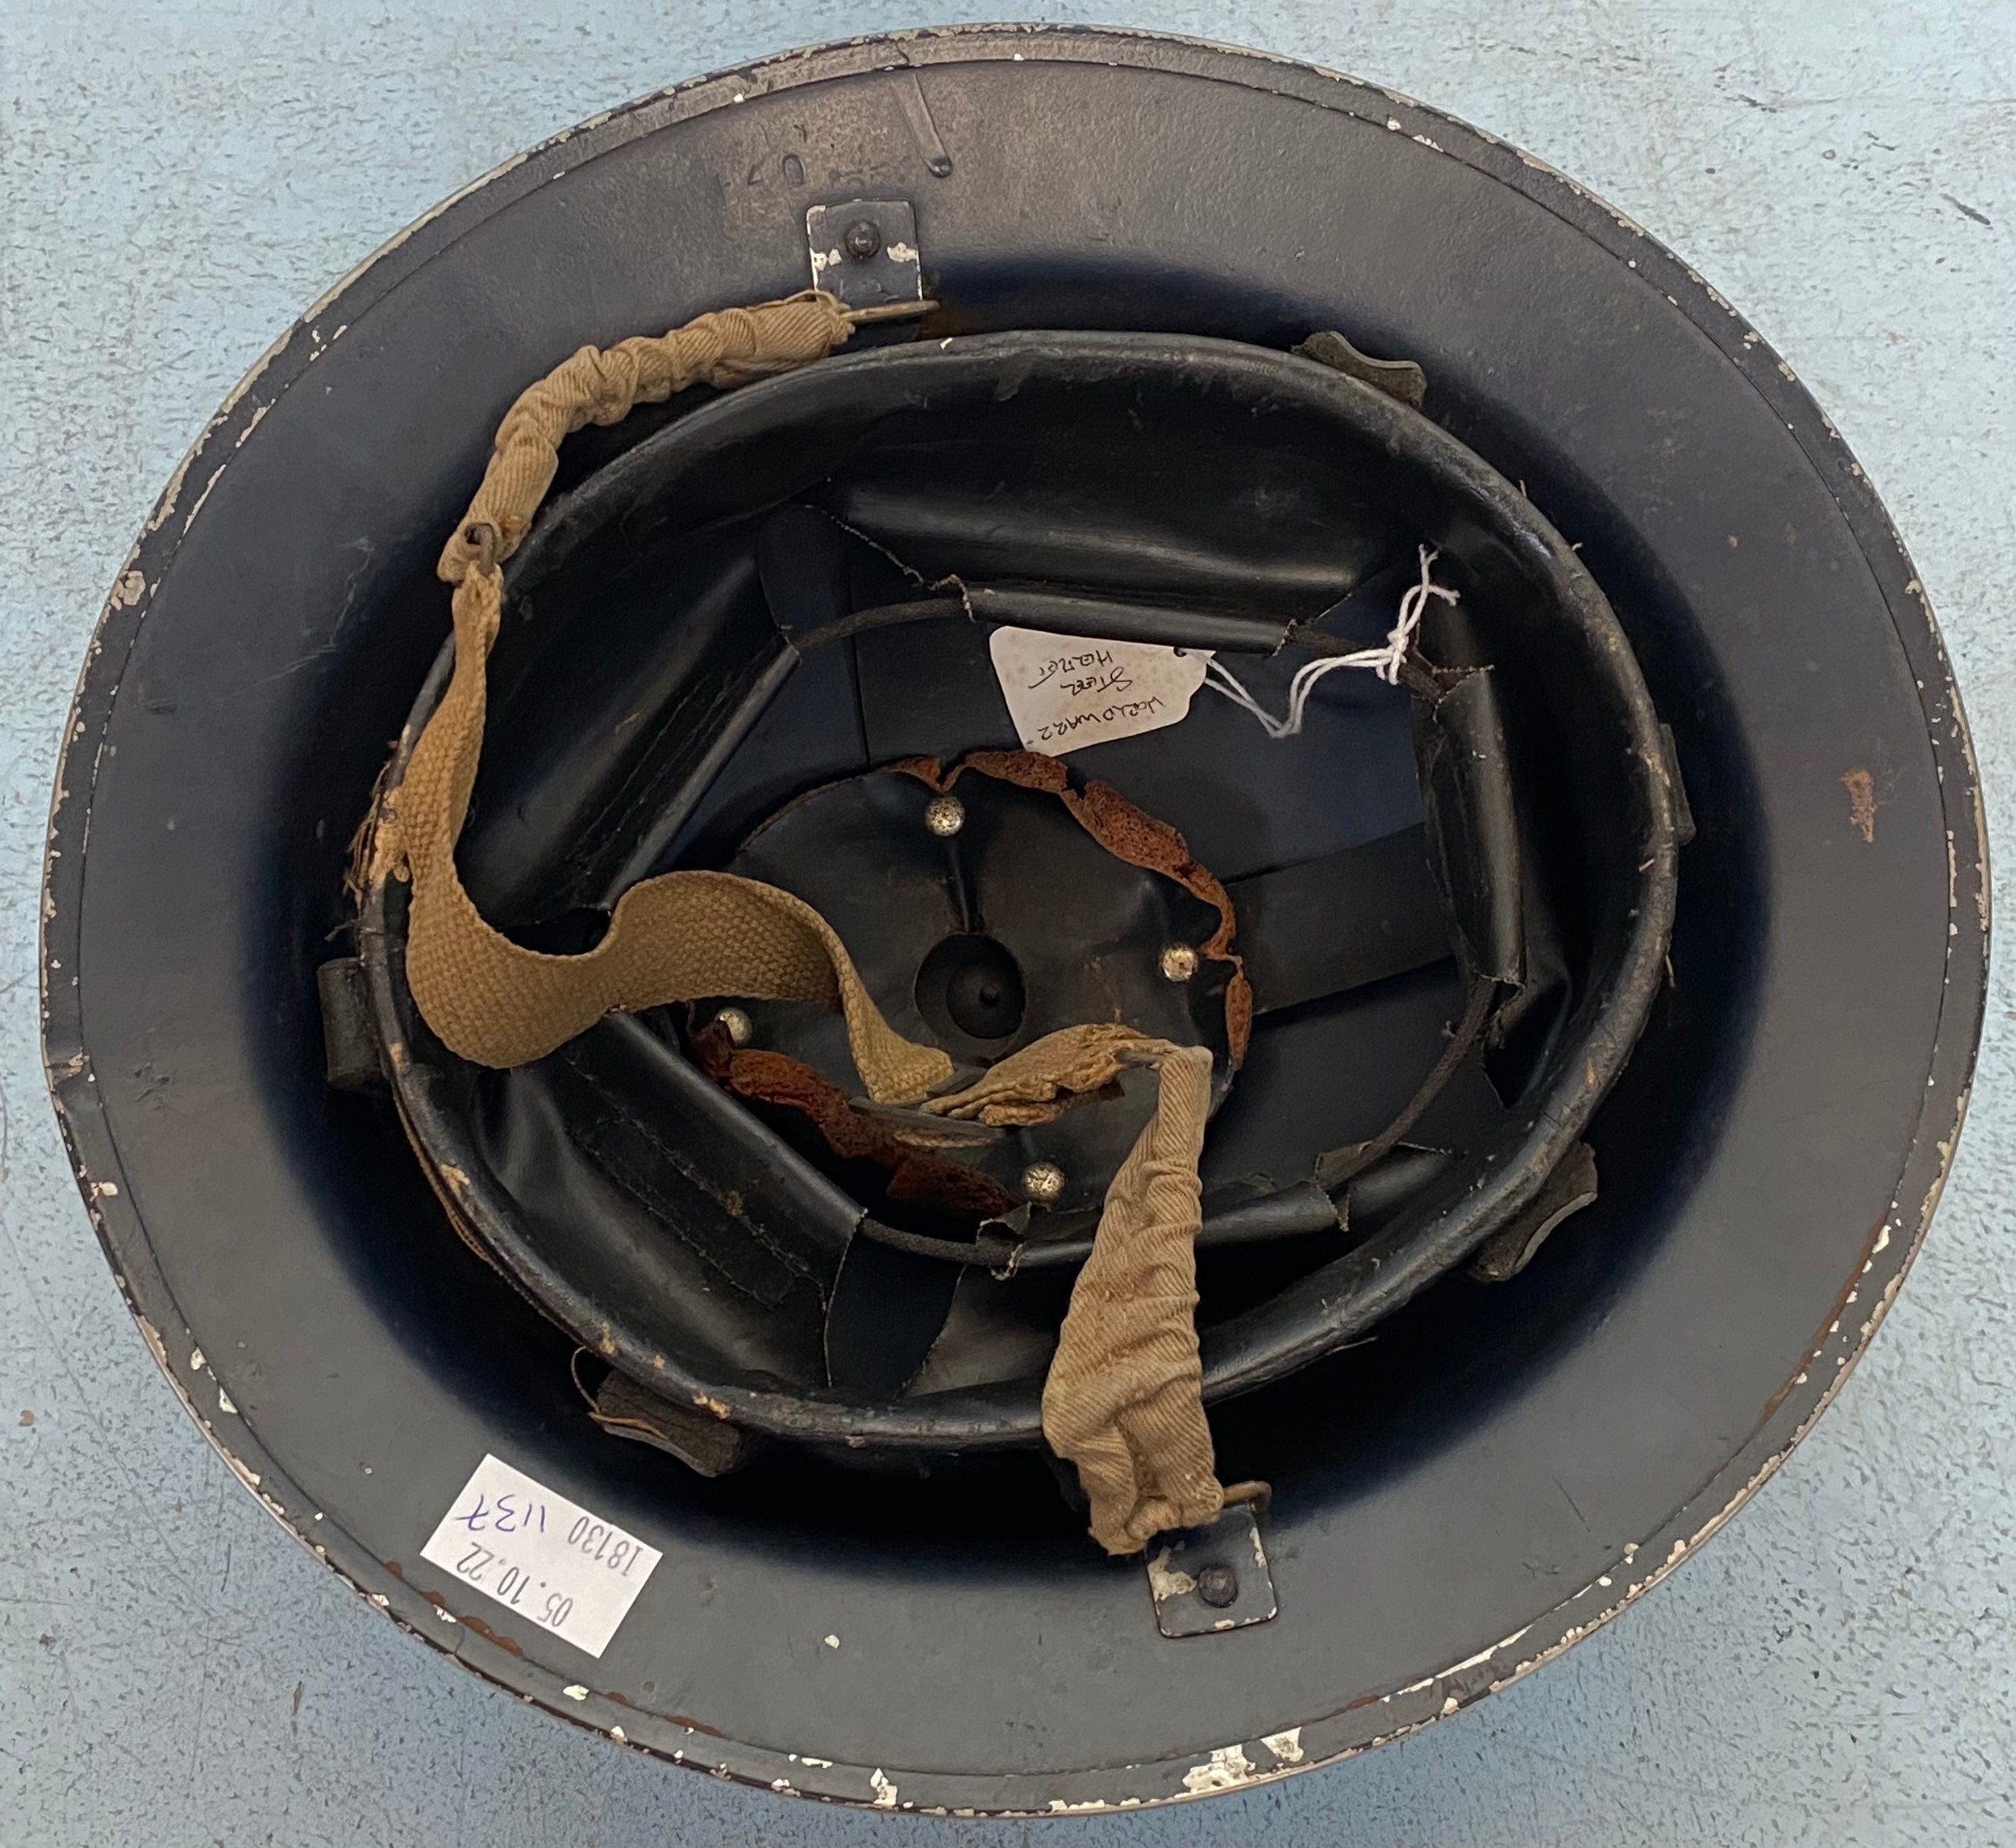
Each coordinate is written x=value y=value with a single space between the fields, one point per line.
x=864 y=252
x=1205 y=1580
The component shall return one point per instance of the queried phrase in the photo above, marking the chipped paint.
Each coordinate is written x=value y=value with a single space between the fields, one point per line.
x=1286 y=1746
x=879 y=1782
x=1482 y=1655
x=152 y=1336
x=1165 y=1583
x=1226 y=1769
x=214 y=475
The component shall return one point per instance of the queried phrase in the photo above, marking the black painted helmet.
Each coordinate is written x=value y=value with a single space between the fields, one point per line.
x=1435 y=658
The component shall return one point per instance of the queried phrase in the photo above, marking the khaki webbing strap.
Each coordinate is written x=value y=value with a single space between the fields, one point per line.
x=682 y=936
x=1123 y=1399
x=728 y=347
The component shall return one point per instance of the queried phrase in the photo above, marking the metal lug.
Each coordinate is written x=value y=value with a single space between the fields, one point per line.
x=864 y=252
x=349 y=1041
x=1213 y=1577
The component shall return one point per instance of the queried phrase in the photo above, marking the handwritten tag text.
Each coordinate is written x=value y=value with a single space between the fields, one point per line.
x=541 y=1555
x=1065 y=692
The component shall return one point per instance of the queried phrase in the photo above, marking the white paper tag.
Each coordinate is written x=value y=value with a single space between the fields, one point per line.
x=541 y=1555
x=1065 y=692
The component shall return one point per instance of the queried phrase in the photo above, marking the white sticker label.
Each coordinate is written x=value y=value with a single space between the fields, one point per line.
x=541 y=1555
x=1065 y=692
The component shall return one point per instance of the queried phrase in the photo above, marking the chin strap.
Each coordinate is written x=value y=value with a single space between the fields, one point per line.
x=730 y=347
x=1123 y=1400
x=677 y=938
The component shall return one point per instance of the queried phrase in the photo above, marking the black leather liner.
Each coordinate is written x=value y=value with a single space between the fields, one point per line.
x=709 y=643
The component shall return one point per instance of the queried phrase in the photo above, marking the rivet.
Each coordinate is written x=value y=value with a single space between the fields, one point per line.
x=1217 y=1586
x=1042 y=1181
x=736 y=1024
x=862 y=239
x=944 y=816
x=1179 y=962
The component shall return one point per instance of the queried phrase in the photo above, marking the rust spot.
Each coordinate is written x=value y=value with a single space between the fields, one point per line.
x=1861 y=788
x=399 y=1571
x=692 y=1725
x=27 y=1417
x=915 y=1175
x=484 y=1630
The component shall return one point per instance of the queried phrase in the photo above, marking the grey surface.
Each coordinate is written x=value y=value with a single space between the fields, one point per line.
x=176 y=181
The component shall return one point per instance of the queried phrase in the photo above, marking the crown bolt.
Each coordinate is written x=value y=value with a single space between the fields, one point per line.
x=1042 y=1182
x=1217 y=1586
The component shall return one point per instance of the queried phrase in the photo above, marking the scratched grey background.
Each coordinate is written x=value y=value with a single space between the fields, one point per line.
x=176 y=180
